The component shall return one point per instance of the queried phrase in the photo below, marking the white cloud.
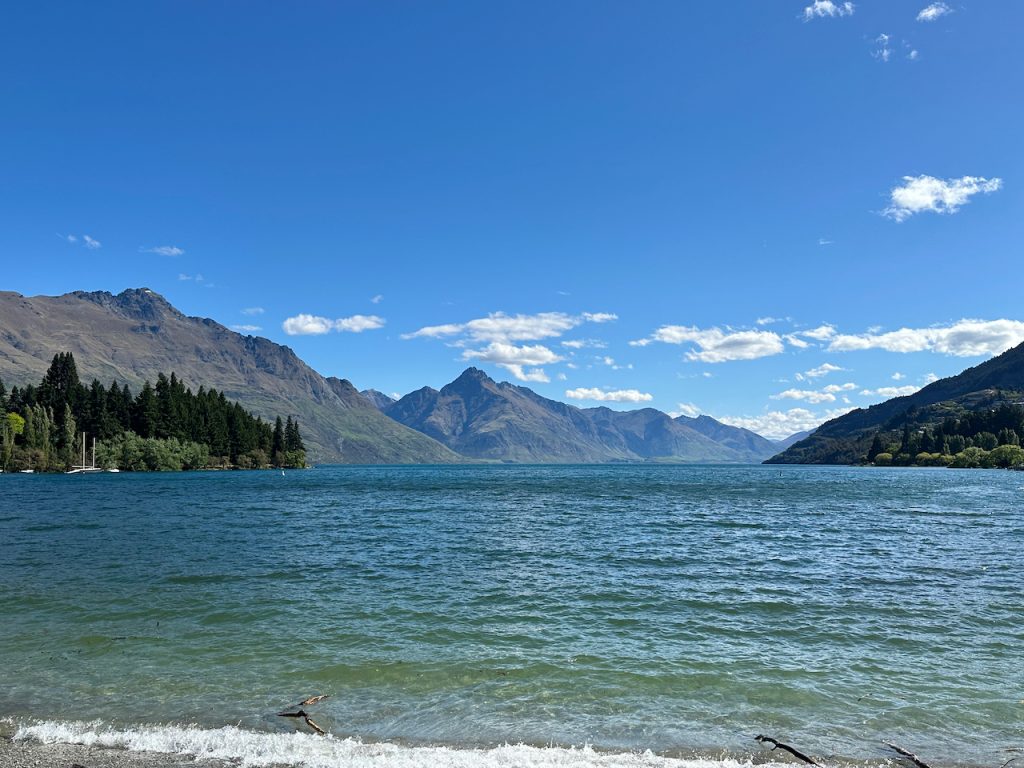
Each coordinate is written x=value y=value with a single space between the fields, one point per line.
x=898 y=376
x=183 y=276
x=90 y=243
x=508 y=328
x=776 y=425
x=500 y=353
x=68 y=238
x=823 y=241
x=314 y=325
x=251 y=311
x=796 y=341
x=613 y=396
x=821 y=333
x=933 y=12
x=913 y=55
x=822 y=370
x=929 y=378
x=164 y=250
x=771 y=320
x=888 y=392
x=584 y=344
x=246 y=328
x=717 y=346
x=377 y=299
x=685 y=409
x=822 y=8
x=810 y=395
x=514 y=359
x=307 y=325
x=359 y=323
x=965 y=338
x=198 y=277
x=883 y=52
x=927 y=193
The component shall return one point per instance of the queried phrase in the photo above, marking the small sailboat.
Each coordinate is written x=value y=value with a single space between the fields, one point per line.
x=83 y=468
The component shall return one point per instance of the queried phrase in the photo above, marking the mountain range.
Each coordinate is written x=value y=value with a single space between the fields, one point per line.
x=134 y=335
x=483 y=419
x=847 y=439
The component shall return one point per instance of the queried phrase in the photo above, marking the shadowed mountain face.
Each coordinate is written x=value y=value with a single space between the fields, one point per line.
x=133 y=336
x=845 y=440
x=484 y=419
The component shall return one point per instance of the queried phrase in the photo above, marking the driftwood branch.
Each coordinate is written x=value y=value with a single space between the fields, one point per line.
x=787 y=748
x=300 y=712
x=909 y=755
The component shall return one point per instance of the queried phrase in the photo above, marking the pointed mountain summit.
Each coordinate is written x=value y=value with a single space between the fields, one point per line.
x=379 y=400
x=481 y=418
x=136 y=334
x=847 y=439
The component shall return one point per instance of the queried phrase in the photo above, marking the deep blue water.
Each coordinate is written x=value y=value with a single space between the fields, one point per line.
x=679 y=609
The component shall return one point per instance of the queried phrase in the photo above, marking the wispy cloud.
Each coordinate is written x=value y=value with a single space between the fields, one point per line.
x=314 y=325
x=164 y=250
x=827 y=9
x=927 y=193
x=509 y=328
x=253 y=311
x=68 y=238
x=197 y=277
x=889 y=392
x=584 y=344
x=822 y=370
x=714 y=345
x=606 y=395
x=933 y=12
x=91 y=243
x=246 y=328
x=824 y=241
x=377 y=299
x=686 y=409
x=882 y=52
x=965 y=338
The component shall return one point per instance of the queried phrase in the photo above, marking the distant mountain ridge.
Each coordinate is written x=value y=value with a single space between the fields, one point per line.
x=132 y=336
x=484 y=419
x=846 y=439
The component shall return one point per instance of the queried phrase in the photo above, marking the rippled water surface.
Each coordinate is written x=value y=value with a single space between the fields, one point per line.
x=677 y=609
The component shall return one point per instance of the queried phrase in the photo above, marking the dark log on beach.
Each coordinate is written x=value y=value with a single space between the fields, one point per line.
x=785 y=747
x=909 y=755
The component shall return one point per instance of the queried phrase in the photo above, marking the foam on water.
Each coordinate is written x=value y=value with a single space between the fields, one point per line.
x=254 y=749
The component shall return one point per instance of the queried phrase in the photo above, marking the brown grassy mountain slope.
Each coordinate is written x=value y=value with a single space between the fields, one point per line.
x=133 y=336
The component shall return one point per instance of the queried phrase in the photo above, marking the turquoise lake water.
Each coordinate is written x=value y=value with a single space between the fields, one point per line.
x=579 y=615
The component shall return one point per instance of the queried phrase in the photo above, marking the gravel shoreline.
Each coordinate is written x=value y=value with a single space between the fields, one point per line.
x=32 y=754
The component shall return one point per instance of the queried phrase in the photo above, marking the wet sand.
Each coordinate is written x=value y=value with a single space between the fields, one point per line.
x=31 y=754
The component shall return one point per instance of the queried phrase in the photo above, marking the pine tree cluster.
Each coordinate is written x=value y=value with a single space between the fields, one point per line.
x=165 y=426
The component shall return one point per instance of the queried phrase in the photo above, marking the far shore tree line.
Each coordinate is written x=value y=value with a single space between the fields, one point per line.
x=977 y=440
x=165 y=427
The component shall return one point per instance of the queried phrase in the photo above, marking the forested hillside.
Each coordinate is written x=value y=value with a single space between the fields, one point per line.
x=163 y=427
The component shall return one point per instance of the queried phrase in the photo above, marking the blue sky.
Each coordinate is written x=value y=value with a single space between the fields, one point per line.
x=764 y=211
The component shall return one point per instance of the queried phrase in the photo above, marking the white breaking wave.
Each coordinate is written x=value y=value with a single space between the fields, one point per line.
x=253 y=749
